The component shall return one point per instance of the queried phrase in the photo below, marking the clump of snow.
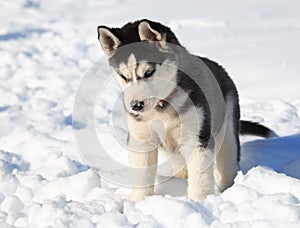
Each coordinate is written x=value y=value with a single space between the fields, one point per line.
x=47 y=47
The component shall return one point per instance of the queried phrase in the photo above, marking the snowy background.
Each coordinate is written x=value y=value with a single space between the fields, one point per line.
x=46 y=47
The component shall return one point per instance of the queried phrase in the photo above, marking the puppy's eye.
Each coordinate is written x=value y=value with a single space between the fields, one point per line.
x=149 y=73
x=123 y=77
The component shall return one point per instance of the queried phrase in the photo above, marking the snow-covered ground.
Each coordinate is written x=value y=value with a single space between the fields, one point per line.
x=47 y=47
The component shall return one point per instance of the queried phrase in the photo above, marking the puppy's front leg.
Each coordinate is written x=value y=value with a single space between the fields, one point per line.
x=200 y=174
x=143 y=171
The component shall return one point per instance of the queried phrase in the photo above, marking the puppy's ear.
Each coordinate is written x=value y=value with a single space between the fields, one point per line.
x=150 y=34
x=108 y=40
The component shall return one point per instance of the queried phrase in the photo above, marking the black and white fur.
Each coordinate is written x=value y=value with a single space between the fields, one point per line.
x=159 y=120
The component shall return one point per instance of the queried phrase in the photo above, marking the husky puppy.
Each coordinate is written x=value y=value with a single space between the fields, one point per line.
x=169 y=112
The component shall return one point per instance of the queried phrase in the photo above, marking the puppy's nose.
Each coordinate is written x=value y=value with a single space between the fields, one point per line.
x=137 y=105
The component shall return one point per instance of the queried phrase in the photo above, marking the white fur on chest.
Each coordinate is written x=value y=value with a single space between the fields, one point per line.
x=168 y=130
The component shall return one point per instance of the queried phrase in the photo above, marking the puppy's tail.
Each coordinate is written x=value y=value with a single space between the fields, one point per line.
x=251 y=128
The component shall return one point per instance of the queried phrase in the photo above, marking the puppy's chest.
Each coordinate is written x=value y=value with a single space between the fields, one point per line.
x=172 y=139
x=166 y=128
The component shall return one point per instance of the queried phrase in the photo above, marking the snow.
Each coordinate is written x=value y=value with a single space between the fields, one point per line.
x=48 y=47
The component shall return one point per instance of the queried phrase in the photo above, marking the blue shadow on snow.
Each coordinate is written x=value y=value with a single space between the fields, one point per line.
x=281 y=154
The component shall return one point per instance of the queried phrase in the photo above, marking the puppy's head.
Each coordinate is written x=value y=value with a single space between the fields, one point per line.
x=142 y=62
